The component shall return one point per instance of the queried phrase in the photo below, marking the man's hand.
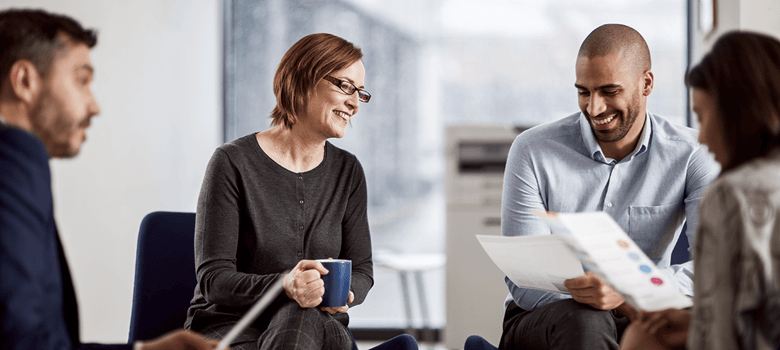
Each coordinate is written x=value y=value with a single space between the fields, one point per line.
x=341 y=309
x=304 y=285
x=180 y=340
x=591 y=290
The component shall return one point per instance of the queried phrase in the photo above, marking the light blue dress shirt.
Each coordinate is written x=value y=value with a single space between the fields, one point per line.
x=651 y=193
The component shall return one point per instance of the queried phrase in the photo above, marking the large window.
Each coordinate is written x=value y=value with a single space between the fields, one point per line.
x=429 y=64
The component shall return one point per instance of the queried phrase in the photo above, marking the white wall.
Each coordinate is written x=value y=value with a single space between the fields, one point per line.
x=761 y=16
x=158 y=81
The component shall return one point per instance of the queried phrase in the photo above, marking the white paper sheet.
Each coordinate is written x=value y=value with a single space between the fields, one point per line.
x=538 y=262
x=591 y=240
x=618 y=260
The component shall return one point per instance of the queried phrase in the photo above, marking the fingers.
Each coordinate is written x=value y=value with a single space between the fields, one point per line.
x=304 y=285
x=307 y=276
x=308 y=294
x=656 y=321
x=588 y=280
x=585 y=281
x=605 y=299
x=342 y=309
x=595 y=292
x=311 y=265
x=670 y=325
x=671 y=320
x=628 y=311
x=333 y=310
x=590 y=289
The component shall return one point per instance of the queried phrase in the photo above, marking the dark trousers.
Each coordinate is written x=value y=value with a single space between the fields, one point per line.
x=564 y=324
x=291 y=328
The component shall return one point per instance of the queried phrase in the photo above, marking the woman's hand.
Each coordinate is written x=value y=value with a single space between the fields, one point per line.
x=627 y=311
x=666 y=329
x=341 y=309
x=670 y=326
x=304 y=285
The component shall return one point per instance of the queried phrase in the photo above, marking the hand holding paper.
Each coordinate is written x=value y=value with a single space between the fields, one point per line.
x=593 y=241
x=590 y=289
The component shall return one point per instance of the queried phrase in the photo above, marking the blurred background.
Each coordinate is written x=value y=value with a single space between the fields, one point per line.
x=177 y=78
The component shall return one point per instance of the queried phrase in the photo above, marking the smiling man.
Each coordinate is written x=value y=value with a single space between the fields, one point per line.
x=612 y=156
x=46 y=104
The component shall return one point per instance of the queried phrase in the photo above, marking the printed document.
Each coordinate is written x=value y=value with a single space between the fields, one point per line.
x=584 y=242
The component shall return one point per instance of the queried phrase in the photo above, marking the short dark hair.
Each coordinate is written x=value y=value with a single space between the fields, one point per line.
x=618 y=38
x=303 y=66
x=742 y=74
x=37 y=35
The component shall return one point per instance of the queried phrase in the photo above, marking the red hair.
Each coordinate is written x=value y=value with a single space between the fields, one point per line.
x=303 y=66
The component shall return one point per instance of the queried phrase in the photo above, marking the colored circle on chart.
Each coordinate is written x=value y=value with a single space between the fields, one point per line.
x=623 y=244
x=657 y=281
x=634 y=256
x=645 y=268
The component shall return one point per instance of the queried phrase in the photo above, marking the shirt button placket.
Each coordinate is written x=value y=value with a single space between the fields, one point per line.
x=301 y=216
x=608 y=197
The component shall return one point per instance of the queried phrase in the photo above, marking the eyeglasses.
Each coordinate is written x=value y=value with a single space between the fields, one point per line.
x=349 y=88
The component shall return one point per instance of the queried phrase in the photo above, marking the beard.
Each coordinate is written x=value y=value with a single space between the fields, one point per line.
x=625 y=122
x=55 y=127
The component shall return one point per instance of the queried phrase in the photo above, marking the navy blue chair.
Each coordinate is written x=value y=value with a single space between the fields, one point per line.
x=164 y=274
x=475 y=342
x=680 y=252
x=165 y=279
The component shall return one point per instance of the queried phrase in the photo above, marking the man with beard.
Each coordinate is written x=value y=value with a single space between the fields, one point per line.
x=613 y=156
x=46 y=104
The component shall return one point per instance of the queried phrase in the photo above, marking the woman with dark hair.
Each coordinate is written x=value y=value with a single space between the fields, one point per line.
x=277 y=200
x=736 y=96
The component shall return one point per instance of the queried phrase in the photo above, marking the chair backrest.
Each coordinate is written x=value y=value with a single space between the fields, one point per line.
x=164 y=274
x=680 y=252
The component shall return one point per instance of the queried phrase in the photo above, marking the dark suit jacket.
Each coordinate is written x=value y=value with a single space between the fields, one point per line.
x=38 y=307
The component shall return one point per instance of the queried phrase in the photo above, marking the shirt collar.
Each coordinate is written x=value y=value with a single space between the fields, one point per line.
x=595 y=150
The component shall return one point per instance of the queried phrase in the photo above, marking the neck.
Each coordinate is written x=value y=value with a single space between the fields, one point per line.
x=619 y=149
x=15 y=115
x=297 y=149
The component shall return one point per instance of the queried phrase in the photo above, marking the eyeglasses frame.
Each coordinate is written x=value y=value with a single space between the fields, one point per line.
x=338 y=82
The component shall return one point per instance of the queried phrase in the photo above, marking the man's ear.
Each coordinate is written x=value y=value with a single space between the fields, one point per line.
x=26 y=82
x=647 y=83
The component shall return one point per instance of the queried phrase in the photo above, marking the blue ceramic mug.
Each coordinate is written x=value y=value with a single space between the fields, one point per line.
x=337 y=282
